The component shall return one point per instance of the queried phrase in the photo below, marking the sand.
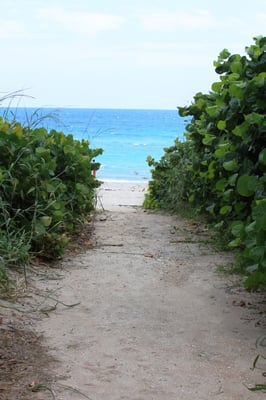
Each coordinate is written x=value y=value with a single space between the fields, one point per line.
x=120 y=195
x=154 y=319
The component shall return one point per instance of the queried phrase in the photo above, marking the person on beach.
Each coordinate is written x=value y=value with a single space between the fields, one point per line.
x=93 y=169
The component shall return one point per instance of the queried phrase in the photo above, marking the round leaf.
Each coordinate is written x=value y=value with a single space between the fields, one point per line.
x=225 y=210
x=221 y=184
x=221 y=125
x=230 y=165
x=254 y=118
x=217 y=86
x=236 y=66
x=46 y=220
x=247 y=185
x=237 y=228
x=262 y=157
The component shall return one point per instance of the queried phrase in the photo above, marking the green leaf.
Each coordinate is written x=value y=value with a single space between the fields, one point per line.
x=235 y=243
x=211 y=169
x=208 y=139
x=241 y=130
x=82 y=188
x=232 y=179
x=250 y=228
x=247 y=185
x=234 y=77
x=253 y=51
x=252 y=268
x=257 y=253
x=225 y=210
x=221 y=125
x=224 y=54
x=32 y=189
x=46 y=220
x=212 y=111
x=260 y=209
x=239 y=207
x=42 y=151
x=191 y=198
x=254 y=281
x=221 y=184
x=217 y=86
x=211 y=208
x=254 y=118
x=259 y=214
x=259 y=81
x=18 y=130
x=222 y=150
x=236 y=66
x=237 y=228
x=236 y=90
x=68 y=149
x=227 y=195
x=231 y=165
x=262 y=157
x=39 y=228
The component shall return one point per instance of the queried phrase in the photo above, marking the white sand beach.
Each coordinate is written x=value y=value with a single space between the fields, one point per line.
x=154 y=320
x=120 y=195
x=142 y=313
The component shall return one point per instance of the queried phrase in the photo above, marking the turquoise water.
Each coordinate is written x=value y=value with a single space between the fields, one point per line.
x=126 y=136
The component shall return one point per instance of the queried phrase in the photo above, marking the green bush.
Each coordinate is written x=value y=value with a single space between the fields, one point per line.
x=171 y=179
x=226 y=165
x=46 y=187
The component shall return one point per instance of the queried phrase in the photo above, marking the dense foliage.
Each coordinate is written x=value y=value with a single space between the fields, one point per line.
x=46 y=189
x=221 y=167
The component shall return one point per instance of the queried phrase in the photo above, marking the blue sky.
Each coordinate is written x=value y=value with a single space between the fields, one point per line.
x=119 y=53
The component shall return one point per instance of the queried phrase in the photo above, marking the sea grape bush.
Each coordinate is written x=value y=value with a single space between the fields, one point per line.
x=171 y=177
x=46 y=189
x=224 y=174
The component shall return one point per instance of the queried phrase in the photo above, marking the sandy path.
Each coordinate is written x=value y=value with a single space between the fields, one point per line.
x=155 y=320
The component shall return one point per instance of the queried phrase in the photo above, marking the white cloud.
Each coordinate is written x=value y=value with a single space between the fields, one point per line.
x=97 y=47
x=79 y=22
x=54 y=21
x=261 y=18
x=166 y=20
x=10 y=29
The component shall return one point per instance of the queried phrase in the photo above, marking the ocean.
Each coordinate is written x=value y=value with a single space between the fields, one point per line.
x=126 y=136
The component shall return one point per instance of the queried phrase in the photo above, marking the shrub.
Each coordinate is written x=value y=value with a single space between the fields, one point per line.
x=46 y=186
x=226 y=163
x=171 y=179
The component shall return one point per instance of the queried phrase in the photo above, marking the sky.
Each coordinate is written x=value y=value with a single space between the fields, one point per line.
x=141 y=54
